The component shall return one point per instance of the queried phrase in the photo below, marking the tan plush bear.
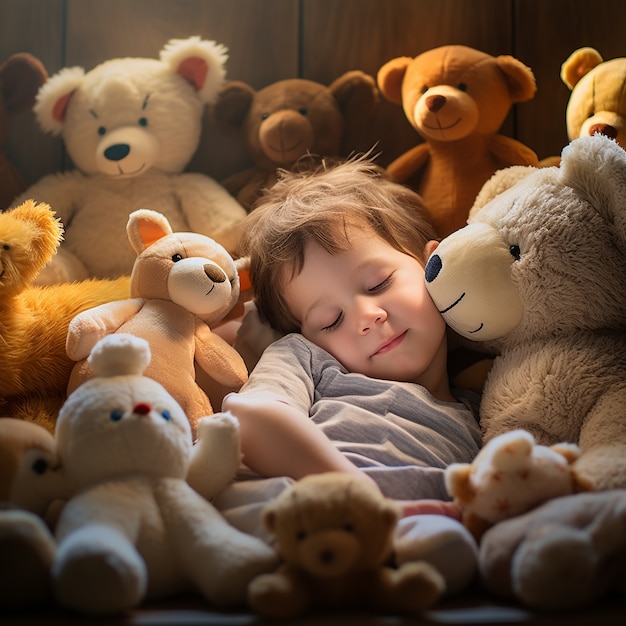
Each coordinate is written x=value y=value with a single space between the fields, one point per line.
x=182 y=283
x=288 y=119
x=457 y=98
x=538 y=278
x=334 y=534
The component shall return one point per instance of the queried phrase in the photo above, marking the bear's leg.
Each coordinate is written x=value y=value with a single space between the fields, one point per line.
x=98 y=570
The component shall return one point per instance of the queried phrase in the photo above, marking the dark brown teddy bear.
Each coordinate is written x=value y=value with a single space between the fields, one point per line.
x=287 y=120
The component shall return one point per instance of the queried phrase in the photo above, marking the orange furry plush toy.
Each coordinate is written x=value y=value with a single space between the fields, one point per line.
x=34 y=320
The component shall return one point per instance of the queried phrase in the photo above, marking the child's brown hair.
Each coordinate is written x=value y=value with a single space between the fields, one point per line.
x=315 y=207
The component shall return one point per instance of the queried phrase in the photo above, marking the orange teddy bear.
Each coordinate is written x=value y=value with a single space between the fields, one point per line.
x=456 y=98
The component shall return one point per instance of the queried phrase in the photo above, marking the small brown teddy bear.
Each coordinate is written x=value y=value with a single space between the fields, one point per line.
x=334 y=532
x=287 y=120
x=456 y=98
x=21 y=75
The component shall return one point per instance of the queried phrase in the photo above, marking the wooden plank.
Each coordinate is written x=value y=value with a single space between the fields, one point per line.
x=33 y=26
x=341 y=35
x=546 y=34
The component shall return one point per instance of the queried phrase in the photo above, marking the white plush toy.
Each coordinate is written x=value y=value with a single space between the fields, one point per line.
x=131 y=126
x=135 y=529
x=510 y=476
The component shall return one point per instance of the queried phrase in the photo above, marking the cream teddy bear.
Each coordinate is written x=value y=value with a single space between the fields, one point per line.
x=538 y=278
x=131 y=126
x=135 y=529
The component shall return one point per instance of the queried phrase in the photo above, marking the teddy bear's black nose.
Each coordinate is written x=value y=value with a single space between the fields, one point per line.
x=433 y=267
x=117 y=152
x=604 y=129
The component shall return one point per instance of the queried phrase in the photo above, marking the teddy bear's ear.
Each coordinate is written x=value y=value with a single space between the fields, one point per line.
x=520 y=78
x=144 y=227
x=579 y=63
x=356 y=94
x=54 y=96
x=200 y=62
x=231 y=107
x=21 y=76
x=390 y=77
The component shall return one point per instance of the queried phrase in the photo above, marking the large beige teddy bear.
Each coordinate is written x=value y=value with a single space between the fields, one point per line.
x=538 y=277
x=135 y=529
x=181 y=285
x=131 y=126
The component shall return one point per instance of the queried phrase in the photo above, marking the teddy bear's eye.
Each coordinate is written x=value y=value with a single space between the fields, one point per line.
x=116 y=415
x=462 y=87
x=143 y=121
x=425 y=88
x=177 y=257
x=40 y=466
x=515 y=251
x=167 y=416
x=264 y=116
x=301 y=535
x=303 y=111
x=102 y=131
x=6 y=247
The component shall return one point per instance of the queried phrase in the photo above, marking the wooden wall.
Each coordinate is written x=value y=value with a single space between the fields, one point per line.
x=269 y=40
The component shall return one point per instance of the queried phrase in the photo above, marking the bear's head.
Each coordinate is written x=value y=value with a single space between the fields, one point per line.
x=190 y=269
x=128 y=115
x=543 y=258
x=290 y=118
x=30 y=234
x=121 y=422
x=597 y=103
x=452 y=92
x=332 y=524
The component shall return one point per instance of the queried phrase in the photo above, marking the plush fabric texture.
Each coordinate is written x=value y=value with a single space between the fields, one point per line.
x=34 y=320
x=134 y=528
x=334 y=535
x=287 y=120
x=181 y=284
x=456 y=98
x=130 y=126
x=21 y=75
x=560 y=372
x=508 y=477
x=565 y=554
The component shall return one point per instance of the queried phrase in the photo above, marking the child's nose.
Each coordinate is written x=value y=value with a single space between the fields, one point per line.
x=370 y=317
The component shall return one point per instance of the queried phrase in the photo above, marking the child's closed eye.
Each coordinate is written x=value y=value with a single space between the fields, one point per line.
x=382 y=285
x=334 y=324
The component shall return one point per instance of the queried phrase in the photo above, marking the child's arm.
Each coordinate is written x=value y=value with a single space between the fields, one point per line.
x=278 y=439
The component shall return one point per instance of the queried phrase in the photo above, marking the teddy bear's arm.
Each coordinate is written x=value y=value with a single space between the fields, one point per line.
x=88 y=327
x=408 y=163
x=216 y=456
x=218 y=358
x=511 y=151
x=209 y=209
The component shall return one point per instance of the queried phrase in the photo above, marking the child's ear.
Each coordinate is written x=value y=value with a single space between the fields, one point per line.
x=430 y=247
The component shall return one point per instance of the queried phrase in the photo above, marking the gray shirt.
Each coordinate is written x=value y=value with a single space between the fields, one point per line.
x=397 y=432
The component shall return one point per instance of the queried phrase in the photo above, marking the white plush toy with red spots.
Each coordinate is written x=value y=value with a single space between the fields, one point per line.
x=508 y=477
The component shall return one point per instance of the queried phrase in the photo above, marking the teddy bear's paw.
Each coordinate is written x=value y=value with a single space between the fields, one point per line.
x=413 y=587
x=223 y=425
x=278 y=595
x=555 y=568
x=97 y=571
x=26 y=555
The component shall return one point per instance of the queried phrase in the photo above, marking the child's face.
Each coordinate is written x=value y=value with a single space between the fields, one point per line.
x=370 y=309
